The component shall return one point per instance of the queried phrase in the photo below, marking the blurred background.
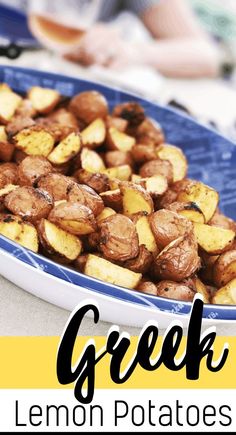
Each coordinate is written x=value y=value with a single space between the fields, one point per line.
x=176 y=52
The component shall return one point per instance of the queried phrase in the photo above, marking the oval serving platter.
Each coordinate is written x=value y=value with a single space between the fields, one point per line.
x=212 y=159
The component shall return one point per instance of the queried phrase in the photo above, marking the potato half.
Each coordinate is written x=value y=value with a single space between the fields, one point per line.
x=213 y=240
x=91 y=161
x=116 y=140
x=66 y=149
x=189 y=210
x=57 y=241
x=145 y=233
x=176 y=157
x=34 y=141
x=135 y=199
x=73 y=217
x=94 y=135
x=21 y=232
x=122 y=173
x=43 y=100
x=225 y=268
x=106 y=271
x=226 y=295
x=9 y=102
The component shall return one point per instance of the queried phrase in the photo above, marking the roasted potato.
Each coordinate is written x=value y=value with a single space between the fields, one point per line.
x=177 y=159
x=222 y=221
x=165 y=200
x=31 y=168
x=91 y=161
x=66 y=149
x=8 y=174
x=14 y=228
x=178 y=260
x=97 y=181
x=213 y=240
x=26 y=109
x=106 y=271
x=106 y=212
x=29 y=203
x=202 y=289
x=80 y=262
x=56 y=185
x=88 y=106
x=57 y=241
x=156 y=185
x=43 y=100
x=119 y=238
x=116 y=140
x=73 y=217
x=9 y=102
x=207 y=270
x=34 y=141
x=173 y=290
x=157 y=167
x=144 y=231
x=6 y=151
x=226 y=295
x=142 y=153
x=135 y=198
x=64 y=118
x=94 y=134
x=224 y=269
x=120 y=124
x=189 y=210
x=141 y=263
x=113 y=199
x=118 y=158
x=17 y=124
x=168 y=226
x=147 y=287
x=149 y=132
x=131 y=112
x=85 y=196
x=57 y=130
x=202 y=195
x=122 y=173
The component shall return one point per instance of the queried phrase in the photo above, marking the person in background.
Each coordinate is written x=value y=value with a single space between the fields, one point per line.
x=179 y=46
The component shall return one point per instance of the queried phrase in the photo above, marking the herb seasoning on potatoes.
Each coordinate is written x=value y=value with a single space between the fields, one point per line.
x=103 y=192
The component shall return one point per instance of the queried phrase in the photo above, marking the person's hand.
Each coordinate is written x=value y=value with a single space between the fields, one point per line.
x=102 y=45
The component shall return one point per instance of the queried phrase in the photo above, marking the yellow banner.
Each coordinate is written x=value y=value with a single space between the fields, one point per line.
x=30 y=362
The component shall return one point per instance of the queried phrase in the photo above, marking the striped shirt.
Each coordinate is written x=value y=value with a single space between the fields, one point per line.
x=102 y=10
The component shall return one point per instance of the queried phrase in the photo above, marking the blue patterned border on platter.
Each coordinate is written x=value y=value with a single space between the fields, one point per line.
x=212 y=159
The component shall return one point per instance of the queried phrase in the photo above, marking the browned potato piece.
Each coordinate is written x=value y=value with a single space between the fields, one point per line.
x=29 y=203
x=147 y=287
x=226 y=295
x=64 y=117
x=73 y=217
x=85 y=196
x=207 y=269
x=119 y=239
x=156 y=185
x=189 y=210
x=17 y=124
x=43 y=100
x=118 y=158
x=97 y=181
x=91 y=161
x=157 y=167
x=113 y=199
x=107 y=211
x=58 y=131
x=88 y=106
x=166 y=199
x=122 y=173
x=9 y=102
x=141 y=263
x=25 y=109
x=19 y=231
x=4 y=192
x=6 y=151
x=178 y=260
x=143 y=153
x=202 y=195
x=80 y=262
x=8 y=174
x=176 y=157
x=18 y=156
x=167 y=226
x=106 y=271
x=149 y=132
x=34 y=141
x=222 y=221
x=56 y=185
x=31 y=168
x=3 y=135
x=57 y=241
x=66 y=149
x=202 y=289
x=213 y=240
x=116 y=140
x=94 y=135
x=131 y=112
x=225 y=268
x=116 y=122
x=135 y=198
x=173 y=290
x=144 y=231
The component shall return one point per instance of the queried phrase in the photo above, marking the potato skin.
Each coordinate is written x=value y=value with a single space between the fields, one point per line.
x=17 y=124
x=85 y=196
x=147 y=287
x=8 y=174
x=119 y=239
x=88 y=106
x=29 y=203
x=113 y=199
x=167 y=226
x=178 y=260
x=97 y=181
x=141 y=263
x=166 y=199
x=31 y=168
x=143 y=153
x=6 y=151
x=131 y=112
x=56 y=185
x=156 y=167
x=222 y=272
x=117 y=158
x=222 y=221
x=173 y=290
x=149 y=133
x=62 y=214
